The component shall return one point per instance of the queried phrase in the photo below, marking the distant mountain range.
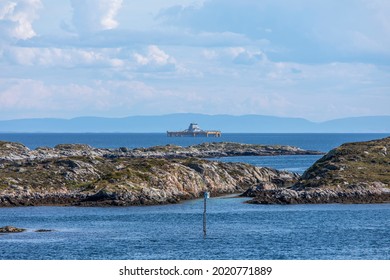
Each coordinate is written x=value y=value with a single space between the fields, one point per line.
x=225 y=123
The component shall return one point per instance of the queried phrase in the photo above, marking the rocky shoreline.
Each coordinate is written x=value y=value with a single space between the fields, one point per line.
x=80 y=175
x=321 y=196
x=352 y=173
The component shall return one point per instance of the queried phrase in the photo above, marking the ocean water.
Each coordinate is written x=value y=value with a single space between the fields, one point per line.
x=235 y=230
x=292 y=163
x=311 y=141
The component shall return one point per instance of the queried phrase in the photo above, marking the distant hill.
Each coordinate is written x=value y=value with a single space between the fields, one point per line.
x=225 y=123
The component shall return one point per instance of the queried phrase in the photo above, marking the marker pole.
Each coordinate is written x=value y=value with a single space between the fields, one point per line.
x=205 y=197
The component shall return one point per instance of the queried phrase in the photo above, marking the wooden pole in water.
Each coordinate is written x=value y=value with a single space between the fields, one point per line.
x=205 y=197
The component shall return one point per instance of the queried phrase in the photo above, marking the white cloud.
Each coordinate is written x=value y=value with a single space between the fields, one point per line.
x=22 y=94
x=304 y=30
x=308 y=58
x=243 y=56
x=93 y=16
x=16 y=18
x=56 y=57
x=108 y=19
x=236 y=55
x=155 y=60
x=317 y=92
x=100 y=97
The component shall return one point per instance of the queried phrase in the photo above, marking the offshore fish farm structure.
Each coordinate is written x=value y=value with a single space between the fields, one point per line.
x=194 y=131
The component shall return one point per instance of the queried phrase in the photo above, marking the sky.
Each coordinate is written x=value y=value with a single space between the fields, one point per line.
x=318 y=60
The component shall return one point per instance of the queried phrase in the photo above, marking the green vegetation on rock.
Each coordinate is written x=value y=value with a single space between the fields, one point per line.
x=69 y=174
x=351 y=164
x=352 y=173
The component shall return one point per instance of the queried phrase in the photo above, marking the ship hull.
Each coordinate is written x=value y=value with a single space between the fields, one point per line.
x=194 y=134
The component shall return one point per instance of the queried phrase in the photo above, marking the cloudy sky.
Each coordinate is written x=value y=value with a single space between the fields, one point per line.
x=318 y=60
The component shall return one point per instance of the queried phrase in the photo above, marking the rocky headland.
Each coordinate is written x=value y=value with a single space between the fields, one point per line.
x=352 y=173
x=75 y=174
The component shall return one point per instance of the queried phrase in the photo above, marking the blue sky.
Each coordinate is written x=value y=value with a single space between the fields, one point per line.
x=318 y=60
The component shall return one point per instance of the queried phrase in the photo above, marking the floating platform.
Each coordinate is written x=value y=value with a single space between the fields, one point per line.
x=194 y=131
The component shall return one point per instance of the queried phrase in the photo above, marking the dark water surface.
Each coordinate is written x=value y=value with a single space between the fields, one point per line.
x=235 y=230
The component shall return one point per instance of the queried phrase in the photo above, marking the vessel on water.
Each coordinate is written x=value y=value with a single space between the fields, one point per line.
x=194 y=130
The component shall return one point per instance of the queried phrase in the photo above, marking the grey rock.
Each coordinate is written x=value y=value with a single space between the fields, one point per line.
x=11 y=229
x=44 y=230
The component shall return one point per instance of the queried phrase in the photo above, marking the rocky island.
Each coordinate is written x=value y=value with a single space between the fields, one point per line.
x=15 y=151
x=75 y=174
x=352 y=173
x=11 y=229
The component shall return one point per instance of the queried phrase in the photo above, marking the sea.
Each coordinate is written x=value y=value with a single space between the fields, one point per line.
x=235 y=229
